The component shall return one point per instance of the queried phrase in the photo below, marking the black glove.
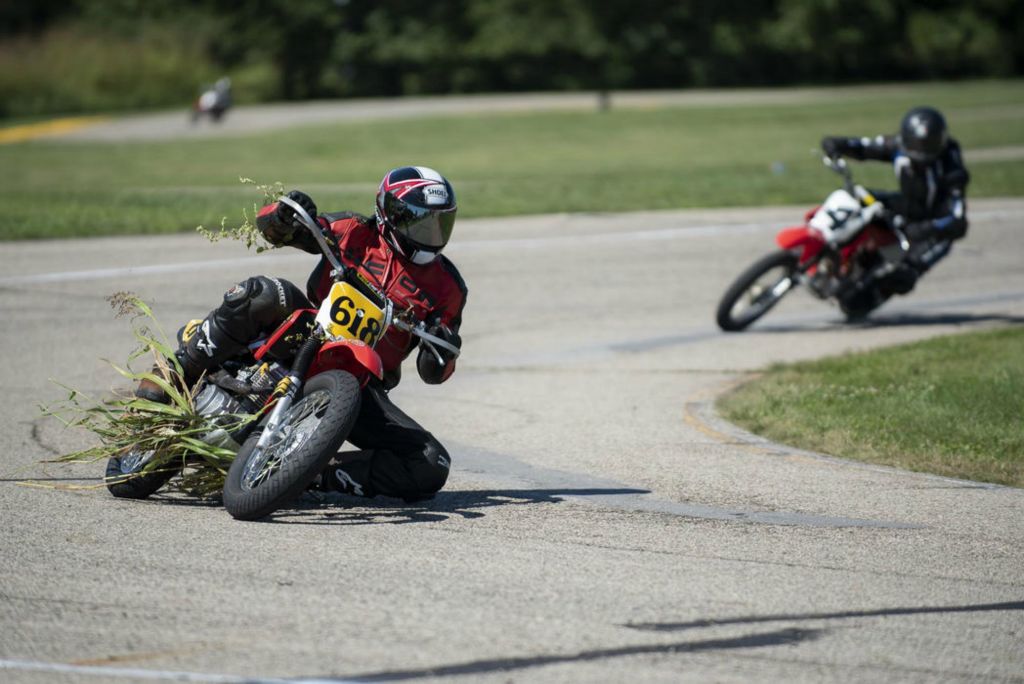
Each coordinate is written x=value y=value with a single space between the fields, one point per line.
x=449 y=336
x=830 y=146
x=430 y=370
x=287 y=217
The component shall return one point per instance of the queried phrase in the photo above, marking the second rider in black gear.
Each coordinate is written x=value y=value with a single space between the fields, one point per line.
x=930 y=206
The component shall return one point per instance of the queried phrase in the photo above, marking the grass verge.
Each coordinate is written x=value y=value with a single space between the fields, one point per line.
x=952 y=406
x=501 y=164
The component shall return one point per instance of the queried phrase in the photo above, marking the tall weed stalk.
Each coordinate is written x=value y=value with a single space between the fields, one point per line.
x=124 y=423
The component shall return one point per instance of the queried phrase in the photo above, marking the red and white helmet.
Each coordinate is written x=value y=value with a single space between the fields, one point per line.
x=416 y=212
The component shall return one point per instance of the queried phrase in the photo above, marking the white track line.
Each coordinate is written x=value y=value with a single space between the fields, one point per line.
x=649 y=235
x=102 y=273
x=475 y=245
x=156 y=675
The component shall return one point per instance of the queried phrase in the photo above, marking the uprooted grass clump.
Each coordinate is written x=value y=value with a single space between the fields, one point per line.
x=246 y=231
x=124 y=423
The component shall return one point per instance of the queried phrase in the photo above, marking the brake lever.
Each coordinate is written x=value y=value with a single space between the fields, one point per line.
x=903 y=240
x=432 y=340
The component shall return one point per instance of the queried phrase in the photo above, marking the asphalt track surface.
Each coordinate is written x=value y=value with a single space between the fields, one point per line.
x=600 y=524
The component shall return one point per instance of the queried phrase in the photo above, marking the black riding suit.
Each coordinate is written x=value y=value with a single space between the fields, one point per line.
x=397 y=456
x=931 y=203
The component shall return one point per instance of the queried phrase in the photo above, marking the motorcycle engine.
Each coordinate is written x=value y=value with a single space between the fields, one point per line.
x=226 y=398
x=215 y=401
x=218 y=403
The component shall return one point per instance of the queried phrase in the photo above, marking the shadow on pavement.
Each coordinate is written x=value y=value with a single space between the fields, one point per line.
x=842 y=615
x=910 y=318
x=886 y=320
x=339 y=509
x=782 y=637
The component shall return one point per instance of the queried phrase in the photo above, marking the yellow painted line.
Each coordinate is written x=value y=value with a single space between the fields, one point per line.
x=135 y=657
x=691 y=418
x=16 y=134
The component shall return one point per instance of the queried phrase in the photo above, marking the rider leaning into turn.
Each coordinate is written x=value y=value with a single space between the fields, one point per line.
x=930 y=206
x=399 y=249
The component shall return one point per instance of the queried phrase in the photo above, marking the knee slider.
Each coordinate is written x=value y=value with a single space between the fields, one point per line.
x=235 y=315
x=242 y=293
x=254 y=306
x=440 y=463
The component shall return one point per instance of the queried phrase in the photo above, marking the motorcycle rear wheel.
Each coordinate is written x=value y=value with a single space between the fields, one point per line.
x=127 y=479
x=261 y=481
x=756 y=290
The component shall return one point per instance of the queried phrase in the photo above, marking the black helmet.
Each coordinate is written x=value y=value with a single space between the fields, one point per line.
x=923 y=134
x=416 y=211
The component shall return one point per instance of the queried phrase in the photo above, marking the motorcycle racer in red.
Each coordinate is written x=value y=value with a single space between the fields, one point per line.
x=930 y=206
x=398 y=249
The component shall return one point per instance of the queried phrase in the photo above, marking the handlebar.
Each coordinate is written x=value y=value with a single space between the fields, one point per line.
x=419 y=329
x=839 y=165
x=313 y=228
x=432 y=341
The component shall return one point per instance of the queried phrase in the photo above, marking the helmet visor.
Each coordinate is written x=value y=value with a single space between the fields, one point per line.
x=427 y=228
x=924 y=154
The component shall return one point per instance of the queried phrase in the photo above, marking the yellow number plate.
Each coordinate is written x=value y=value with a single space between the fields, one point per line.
x=346 y=313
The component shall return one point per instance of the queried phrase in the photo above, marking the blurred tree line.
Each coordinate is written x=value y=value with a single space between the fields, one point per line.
x=80 y=55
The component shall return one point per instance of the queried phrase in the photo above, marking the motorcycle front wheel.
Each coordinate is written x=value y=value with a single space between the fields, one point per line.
x=262 y=480
x=757 y=290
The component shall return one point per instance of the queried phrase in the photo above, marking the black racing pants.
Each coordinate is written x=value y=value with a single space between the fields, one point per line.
x=398 y=457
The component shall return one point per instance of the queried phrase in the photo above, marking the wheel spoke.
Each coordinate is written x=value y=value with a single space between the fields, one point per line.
x=762 y=294
x=298 y=424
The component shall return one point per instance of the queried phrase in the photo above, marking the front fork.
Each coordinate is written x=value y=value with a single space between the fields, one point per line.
x=289 y=387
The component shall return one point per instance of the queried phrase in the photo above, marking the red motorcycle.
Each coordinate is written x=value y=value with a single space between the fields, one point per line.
x=842 y=249
x=305 y=380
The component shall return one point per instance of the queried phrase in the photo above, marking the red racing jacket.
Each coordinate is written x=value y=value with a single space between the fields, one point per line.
x=435 y=292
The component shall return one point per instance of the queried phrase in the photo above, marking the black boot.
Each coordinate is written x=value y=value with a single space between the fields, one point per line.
x=204 y=346
x=901 y=281
x=151 y=391
x=337 y=476
x=204 y=349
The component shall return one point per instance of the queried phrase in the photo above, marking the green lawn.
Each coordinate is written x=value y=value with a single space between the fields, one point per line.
x=952 y=406
x=501 y=164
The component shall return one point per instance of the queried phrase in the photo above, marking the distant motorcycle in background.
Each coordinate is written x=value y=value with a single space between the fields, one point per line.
x=842 y=248
x=214 y=102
